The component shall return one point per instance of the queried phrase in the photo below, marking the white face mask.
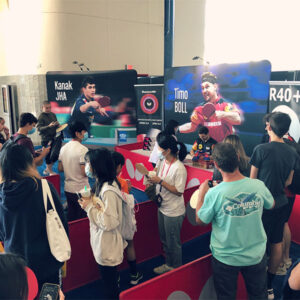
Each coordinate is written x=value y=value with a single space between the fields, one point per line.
x=160 y=155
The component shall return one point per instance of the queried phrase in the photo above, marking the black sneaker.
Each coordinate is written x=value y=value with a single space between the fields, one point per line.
x=134 y=279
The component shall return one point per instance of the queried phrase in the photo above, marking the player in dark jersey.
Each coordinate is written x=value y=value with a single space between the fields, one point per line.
x=215 y=113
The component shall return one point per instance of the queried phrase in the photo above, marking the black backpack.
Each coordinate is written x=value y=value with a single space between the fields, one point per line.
x=12 y=140
x=294 y=187
x=56 y=146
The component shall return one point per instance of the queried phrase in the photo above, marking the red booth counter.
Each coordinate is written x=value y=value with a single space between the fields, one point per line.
x=195 y=175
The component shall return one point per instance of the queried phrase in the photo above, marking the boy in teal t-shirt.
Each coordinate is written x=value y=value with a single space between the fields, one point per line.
x=238 y=240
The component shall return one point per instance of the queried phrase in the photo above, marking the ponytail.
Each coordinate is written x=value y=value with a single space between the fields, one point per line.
x=166 y=141
x=182 y=151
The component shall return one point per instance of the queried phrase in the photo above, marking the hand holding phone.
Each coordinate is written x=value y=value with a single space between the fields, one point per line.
x=50 y=291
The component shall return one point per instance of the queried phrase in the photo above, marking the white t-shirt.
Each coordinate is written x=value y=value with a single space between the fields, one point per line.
x=176 y=175
x=72 y=157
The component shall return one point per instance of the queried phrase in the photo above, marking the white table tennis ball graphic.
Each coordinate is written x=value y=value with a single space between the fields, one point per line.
x=129 y=168
x=208 y=291
x=193 y=182
x=179 y=295
x=295 y=124
x=138 y=175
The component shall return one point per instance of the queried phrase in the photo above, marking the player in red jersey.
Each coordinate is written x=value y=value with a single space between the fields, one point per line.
x=215 y=113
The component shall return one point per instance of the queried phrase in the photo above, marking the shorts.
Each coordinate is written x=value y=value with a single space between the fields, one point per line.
x=289 y=207
x=273 y=221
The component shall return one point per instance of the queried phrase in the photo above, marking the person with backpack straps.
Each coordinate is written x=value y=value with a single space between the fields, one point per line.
x=104 y=210
x=135 y=275
x=26 y=127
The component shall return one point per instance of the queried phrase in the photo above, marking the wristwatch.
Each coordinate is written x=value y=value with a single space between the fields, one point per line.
x=161 y=181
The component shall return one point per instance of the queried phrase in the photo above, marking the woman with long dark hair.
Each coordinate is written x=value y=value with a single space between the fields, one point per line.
x=22 y=213
x=105 y=215
x=244 y=165
x=170 y=178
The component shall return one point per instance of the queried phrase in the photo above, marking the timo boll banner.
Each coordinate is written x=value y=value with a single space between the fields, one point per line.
x=285 y=97
x=226 y=98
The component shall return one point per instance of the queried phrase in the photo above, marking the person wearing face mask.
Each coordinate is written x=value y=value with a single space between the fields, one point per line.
x=71 y=162
x=170 y=181
x=27 y=127
x=170 y=129
x=47 y=125
x=104 y=211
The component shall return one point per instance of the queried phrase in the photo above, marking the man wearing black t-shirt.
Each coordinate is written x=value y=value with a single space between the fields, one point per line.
x=204 y=143
x=274 y=163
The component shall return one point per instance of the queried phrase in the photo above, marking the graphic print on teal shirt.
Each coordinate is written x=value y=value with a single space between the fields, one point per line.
x=241 y=205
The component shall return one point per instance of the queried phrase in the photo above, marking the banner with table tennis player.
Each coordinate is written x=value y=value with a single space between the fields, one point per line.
x=226 y=98
x=102 y=100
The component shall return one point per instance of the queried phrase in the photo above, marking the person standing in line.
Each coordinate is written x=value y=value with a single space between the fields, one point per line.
x=105 y=215
x=71 y=162
x=47 y=125
x=170 y=129
x=4 y=132
x=238 y=240
x=274 y=163
x=22 y=213
x=27 y=127
x=135 y=276
x=170 y=180
x=244 y=165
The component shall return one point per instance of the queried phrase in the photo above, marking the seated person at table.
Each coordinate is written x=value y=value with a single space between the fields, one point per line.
x=204 y=143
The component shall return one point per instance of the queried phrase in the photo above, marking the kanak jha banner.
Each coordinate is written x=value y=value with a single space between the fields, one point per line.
x=285 y=97
x=226 y=98
x=149 y=107
x=109 y=95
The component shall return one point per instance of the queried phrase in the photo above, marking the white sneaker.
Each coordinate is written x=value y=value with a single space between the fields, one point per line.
x=162 y=269
x=271 y=294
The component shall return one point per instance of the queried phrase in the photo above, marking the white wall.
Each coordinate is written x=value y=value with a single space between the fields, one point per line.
x=37 y=36
x=238 y=31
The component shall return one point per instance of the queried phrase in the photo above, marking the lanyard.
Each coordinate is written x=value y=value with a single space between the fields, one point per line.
x=162 y=171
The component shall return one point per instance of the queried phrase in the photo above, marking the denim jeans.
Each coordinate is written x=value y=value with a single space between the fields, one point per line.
x=225 y=279
x=169 y=232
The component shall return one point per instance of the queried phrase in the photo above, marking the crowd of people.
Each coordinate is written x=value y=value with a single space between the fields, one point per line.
x=249 y=195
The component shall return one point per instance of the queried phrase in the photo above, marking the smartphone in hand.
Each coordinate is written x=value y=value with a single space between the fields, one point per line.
x=49 y=291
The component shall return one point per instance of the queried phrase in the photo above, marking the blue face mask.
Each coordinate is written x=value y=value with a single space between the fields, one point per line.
x=86 y=136
x=32 y=131
x=87 y=170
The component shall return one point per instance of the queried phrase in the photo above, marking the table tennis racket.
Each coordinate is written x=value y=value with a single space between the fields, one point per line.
x=102 y=100
x=208 y=110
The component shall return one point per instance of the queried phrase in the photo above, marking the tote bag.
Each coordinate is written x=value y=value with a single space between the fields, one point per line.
x=58 y=240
